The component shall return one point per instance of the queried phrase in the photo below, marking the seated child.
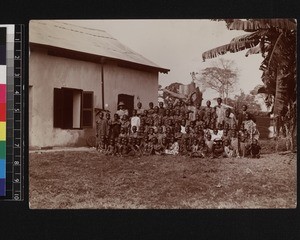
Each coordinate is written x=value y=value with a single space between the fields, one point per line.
x=203 y=149
x=164 y=144
x=144 y=142
x=210 y=145
x=157 y=147
x=118 y=146
x=101 y=147
x=127 y=149
x=183 y=147
x=134 y=133
x=228 y=150
x=218 y=148
x=169 y=133
x=110 y=148
x=220 y=126
x=255 y=149
x=194 y=149
x=148 y=149
x=173 y=147
x=216 y=134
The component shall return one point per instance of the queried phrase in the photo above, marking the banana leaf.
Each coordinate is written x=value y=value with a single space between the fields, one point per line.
x=256 y=24
x=254 y=50
x=231 y=47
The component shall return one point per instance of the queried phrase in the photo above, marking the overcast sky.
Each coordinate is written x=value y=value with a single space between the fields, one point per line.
x=178 y=45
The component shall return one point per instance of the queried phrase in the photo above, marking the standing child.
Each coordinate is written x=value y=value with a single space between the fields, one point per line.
x=151 y=110
x=115 y=127
x=235 y=144
x=243 y=135
x=225 y=136
x=122 y=132
x=151 y=134
x=139 y=110
x=109 y=121
x=101 y=127
x=210 y=145
x=161 y=110
x=178 y=134
x=135 y=120
x=125 y=123
x=160 y=134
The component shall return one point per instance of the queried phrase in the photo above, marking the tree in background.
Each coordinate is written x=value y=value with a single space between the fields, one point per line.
x=249 y=100
x=275 y=39
x=221 y=77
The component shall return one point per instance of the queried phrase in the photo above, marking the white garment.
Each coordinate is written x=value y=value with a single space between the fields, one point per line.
x=220 y=111
x=135 y=121
x=182 y=129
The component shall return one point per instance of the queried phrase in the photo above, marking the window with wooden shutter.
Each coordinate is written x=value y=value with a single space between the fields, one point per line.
x=73 y=108
x=87 y=109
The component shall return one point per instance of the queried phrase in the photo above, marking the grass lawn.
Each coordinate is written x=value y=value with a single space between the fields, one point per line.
x=86 y=179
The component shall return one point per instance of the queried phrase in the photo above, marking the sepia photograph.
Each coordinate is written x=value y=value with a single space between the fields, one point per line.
x=163 y=114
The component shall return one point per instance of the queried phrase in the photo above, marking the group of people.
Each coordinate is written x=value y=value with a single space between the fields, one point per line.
x=178 y=129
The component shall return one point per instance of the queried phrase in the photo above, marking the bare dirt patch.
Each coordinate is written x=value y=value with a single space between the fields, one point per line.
x=80 y=179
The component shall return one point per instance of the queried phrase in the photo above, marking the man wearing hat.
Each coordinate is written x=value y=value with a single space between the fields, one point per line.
x=122 y=111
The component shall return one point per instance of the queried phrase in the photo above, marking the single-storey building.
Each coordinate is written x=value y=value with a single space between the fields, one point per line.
x=74 y=70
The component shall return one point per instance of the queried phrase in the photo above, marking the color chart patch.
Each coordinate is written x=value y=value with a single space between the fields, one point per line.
x=2 y=111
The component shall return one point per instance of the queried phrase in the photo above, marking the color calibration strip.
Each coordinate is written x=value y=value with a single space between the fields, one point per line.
x=11 y=124
x=3 y=111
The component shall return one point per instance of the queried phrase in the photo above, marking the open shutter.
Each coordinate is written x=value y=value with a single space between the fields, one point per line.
x=87 y=109
x=58 y=108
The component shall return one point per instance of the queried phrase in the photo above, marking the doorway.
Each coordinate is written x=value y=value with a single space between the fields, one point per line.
x=128 y=100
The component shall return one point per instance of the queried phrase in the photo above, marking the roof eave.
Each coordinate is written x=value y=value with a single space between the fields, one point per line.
x=67 y=53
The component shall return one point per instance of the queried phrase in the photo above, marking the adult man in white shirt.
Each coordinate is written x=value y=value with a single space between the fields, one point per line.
x=122 y=111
